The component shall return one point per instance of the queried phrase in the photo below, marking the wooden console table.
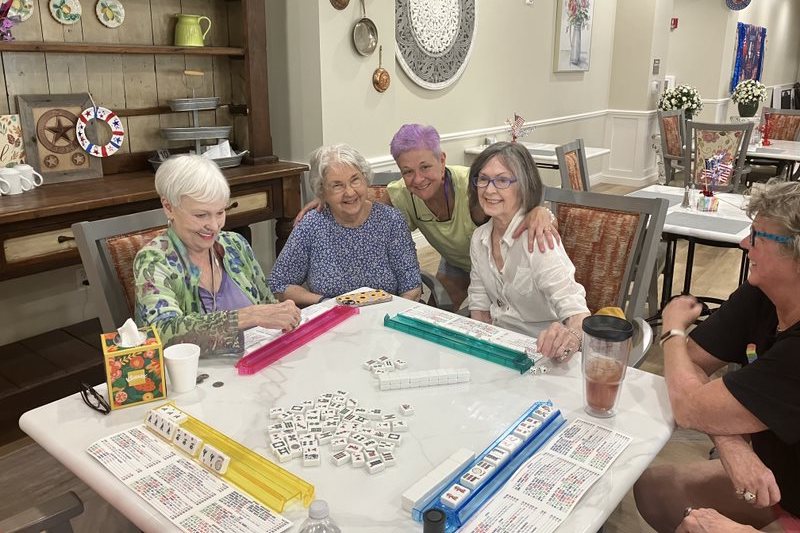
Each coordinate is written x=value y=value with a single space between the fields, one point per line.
x=35 y=233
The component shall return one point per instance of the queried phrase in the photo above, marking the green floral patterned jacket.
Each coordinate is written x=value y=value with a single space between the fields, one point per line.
x=167 y=294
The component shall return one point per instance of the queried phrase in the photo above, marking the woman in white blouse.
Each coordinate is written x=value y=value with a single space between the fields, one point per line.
x=533 y=293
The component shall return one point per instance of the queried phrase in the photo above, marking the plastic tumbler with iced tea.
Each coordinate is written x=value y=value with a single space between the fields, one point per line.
x=606 y=347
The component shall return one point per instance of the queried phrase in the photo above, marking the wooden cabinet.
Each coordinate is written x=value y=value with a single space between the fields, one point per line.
x=134 y=70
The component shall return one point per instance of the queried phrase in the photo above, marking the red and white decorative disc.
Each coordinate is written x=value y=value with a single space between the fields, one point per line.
x=109 y=117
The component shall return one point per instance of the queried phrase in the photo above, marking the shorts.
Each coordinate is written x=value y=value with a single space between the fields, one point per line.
x=452 y=271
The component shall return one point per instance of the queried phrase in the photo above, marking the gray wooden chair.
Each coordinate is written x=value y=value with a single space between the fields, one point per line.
x=613 y=243
x=672 y=126
x=107 y=249
x=706 y=139
x=785 y=126
x=573 y=166
x=51 y=516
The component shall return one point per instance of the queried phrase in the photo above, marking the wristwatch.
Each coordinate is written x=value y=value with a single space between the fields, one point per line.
x=667 y=335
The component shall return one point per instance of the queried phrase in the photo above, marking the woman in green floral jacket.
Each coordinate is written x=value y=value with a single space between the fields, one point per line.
x=195 y=282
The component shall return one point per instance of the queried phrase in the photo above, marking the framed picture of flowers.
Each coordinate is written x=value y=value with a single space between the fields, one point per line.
x=574 y=21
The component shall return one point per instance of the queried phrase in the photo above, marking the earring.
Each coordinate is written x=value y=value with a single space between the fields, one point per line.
x=169 y=222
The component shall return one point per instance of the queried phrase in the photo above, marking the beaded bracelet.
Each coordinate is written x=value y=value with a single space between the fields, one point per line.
x=577 y=336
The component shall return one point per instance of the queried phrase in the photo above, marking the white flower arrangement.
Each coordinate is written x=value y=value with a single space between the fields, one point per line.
x=749 y=92
x=683 y=97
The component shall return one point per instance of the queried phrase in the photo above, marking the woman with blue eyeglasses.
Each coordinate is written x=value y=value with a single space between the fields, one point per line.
x=531 y=292
x=751 y=414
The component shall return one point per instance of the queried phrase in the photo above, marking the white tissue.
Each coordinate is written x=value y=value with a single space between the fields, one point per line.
x=218 y=151
x=129 y=334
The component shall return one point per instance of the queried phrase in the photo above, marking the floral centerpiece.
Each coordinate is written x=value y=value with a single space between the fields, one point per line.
x=748 y=94
x=683 y=97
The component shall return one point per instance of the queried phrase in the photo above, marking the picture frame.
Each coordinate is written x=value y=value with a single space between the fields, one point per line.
x=573 y=36
x=48 y=127
x=12 y=149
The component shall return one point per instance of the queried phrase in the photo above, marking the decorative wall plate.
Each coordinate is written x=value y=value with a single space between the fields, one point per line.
x=22 y=9
x=111 y=13
x=434 y=39
x=736 y=5
x=66 y=11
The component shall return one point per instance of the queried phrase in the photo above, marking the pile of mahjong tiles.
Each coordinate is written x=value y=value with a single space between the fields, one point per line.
x=362 y=437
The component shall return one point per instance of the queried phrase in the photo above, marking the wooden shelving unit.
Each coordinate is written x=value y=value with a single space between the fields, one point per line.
x=106 y=48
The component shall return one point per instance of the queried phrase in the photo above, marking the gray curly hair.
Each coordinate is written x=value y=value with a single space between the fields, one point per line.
x=779 y=201
x=323 y=157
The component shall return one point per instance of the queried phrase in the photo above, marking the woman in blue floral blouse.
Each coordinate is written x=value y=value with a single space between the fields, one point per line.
x=195 y=282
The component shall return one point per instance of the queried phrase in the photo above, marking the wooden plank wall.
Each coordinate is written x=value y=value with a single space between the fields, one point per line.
x=119 y=81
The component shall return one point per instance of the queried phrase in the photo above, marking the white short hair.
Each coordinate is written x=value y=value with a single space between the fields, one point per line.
x=323 y=157
x=194 y=176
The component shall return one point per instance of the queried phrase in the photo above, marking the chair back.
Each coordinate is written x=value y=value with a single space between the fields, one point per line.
x=377 y=190
x=613 y=243
x=711 y=139
x=573 y=166
x=785 y=123
x=672 y=126
x=107 y=249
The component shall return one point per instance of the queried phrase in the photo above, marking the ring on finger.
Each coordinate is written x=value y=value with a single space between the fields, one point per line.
x=687 y=511
x=740 y=492
x=749 y=497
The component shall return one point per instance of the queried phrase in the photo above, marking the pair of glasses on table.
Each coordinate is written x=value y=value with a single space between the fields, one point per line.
x=94 y=399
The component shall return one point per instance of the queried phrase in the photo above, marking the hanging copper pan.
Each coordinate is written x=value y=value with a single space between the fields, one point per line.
x=380 y=78
x=340 y=4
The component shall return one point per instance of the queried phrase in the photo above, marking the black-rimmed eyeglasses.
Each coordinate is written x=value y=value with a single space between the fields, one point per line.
x=94 y=400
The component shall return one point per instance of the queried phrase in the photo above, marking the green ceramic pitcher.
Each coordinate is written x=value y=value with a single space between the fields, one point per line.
x=188 y=31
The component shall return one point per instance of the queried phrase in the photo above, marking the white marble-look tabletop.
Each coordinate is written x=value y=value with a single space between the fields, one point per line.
x=446 y=418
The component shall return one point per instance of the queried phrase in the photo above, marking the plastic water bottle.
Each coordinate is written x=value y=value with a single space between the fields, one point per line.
x=318 y=520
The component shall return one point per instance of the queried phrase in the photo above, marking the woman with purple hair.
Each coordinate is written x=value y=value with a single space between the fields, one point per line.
x=434 y=197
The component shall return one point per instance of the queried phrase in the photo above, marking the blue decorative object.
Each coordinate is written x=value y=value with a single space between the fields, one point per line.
x=749 y=53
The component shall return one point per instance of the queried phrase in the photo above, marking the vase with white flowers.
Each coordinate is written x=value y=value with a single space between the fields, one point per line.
x=747 y=95
x=683 y=97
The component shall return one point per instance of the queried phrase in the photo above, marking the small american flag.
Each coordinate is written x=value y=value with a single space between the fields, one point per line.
x=719 y=174
x=517 y=124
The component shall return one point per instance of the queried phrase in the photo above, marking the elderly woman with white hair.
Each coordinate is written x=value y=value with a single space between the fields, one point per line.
x=195 y=282
x=351 y=243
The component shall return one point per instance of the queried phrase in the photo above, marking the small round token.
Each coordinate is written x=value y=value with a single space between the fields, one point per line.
x=217 y=384
x=201 y=378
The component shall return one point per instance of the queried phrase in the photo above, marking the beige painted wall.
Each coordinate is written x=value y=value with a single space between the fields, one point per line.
x=782 y=53
x=632 y=55
x=510 y=70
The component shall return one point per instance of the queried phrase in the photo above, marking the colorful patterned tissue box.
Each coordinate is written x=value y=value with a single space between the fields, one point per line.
x=707 y=203
x=134 y=374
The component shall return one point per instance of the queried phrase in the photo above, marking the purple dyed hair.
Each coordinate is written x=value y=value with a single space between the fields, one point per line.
x=415 y=137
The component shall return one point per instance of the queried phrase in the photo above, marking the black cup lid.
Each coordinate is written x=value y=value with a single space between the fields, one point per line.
x=608 y=328
x=433 y=521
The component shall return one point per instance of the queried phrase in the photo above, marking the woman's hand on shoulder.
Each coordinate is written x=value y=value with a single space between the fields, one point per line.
x=541 y=227
x=284 y=316
x=310 y=206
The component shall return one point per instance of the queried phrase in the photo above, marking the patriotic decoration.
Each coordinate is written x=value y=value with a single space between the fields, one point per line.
x=109 y=117
x=716 y=172
x=518 y=128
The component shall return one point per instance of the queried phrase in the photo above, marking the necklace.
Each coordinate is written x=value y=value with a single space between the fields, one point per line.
x=212 y=260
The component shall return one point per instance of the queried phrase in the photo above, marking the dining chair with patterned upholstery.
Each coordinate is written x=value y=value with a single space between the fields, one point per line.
x=107 y=248
x=573 y=166
x=784 y=126
x=708 y=140
x=613 y=243
x=671 y=125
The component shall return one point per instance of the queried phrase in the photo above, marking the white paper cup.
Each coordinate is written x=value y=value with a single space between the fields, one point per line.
x=182 y=361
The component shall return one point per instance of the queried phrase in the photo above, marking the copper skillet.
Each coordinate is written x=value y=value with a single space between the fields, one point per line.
x=380 y=78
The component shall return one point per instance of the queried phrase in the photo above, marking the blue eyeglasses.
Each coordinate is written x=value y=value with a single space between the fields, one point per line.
x=781 y=239
x=499 y=183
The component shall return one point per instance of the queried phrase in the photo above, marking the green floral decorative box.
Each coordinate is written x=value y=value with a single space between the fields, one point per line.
x=134 y=374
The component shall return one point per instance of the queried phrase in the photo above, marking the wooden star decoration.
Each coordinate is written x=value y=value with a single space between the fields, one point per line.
x=60 y=131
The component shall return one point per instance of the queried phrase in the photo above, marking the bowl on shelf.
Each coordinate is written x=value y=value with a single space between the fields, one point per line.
x=222 y=162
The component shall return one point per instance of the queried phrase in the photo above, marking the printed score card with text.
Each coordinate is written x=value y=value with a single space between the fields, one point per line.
x=191 y=497
x=544 y=490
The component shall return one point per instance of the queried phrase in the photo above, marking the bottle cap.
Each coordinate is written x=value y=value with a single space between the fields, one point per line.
x=318 y=510
x=433 y=521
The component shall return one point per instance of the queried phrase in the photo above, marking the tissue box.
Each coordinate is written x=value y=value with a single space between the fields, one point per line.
x=134 y=374
x=707 y=203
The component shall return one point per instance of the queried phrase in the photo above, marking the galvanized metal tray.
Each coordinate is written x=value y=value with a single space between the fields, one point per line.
x=193 y=134
x=194 y=104
x=222 y=162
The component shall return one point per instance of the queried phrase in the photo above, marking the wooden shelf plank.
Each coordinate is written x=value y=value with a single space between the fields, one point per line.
x=106 y=48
